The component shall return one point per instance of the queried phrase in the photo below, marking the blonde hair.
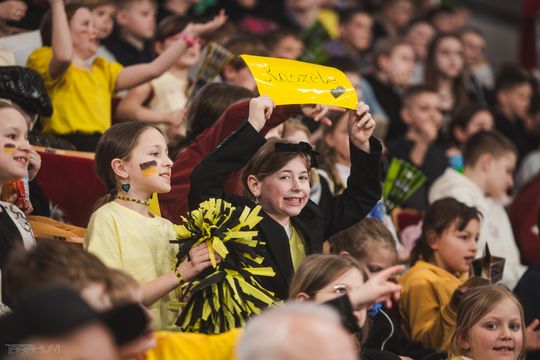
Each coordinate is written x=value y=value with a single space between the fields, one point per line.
x=293 y=125
x=476 y=304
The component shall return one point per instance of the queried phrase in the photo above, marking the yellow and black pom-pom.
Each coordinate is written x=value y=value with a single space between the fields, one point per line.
x=227 y=294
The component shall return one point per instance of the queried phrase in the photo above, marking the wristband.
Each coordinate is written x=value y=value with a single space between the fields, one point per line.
x=187 y=39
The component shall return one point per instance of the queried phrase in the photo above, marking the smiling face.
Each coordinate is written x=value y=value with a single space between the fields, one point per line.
x=14 y=146
x=348 y=283
x=454 y=249
x=284 y=193
x=83 y=33
x=148 y=168
x=498 y=335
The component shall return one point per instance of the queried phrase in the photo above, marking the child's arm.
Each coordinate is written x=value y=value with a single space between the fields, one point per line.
x=199 y=260
x=137 y=74
x=364 y=184
x=131 y=108
x=62 y=44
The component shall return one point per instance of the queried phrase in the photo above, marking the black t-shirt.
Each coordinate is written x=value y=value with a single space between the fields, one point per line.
x=126 y=54
x=391 y=102
x=517 y=133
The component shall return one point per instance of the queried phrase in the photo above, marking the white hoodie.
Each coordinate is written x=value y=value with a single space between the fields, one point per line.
x=495 y=230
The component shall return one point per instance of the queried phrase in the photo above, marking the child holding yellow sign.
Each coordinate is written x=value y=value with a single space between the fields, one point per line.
x=276 y=176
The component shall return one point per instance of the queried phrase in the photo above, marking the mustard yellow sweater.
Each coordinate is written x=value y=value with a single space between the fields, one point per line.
x=425 y=314
x=192 y=346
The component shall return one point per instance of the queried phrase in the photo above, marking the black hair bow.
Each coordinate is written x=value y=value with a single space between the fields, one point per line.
x=302 y=147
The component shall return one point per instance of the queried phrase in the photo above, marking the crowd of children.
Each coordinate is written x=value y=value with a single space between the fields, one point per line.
x=155 y=93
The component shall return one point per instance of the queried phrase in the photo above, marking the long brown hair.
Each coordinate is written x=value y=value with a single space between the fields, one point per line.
x=476 y=304
x=117 y=143
x=439 y=217
x=432 y=73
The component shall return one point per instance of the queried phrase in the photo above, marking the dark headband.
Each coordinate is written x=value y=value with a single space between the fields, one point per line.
x=301 y=148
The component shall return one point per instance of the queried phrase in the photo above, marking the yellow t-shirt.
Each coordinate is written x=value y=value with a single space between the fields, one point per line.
x=191 y=346
x=298 y=249
x=423 y=306
x=81 y=98
x=126 y=240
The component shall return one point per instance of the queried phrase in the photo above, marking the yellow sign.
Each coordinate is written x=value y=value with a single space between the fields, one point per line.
x=297 y=82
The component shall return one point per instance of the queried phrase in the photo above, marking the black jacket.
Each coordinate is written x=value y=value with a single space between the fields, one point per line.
x=314 y=223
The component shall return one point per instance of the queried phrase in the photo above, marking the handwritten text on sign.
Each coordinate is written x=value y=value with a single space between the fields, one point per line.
x=296 y=82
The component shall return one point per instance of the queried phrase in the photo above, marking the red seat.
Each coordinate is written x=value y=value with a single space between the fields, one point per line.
x=69 y=180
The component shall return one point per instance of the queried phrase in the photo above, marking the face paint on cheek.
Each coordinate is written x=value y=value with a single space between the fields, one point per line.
x=149 y=168
x=9 y=148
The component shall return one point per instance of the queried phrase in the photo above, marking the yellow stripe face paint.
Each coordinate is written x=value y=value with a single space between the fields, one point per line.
x=9 y=148
x=149 y=168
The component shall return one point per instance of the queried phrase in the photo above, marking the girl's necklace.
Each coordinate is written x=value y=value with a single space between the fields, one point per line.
x=127 y=198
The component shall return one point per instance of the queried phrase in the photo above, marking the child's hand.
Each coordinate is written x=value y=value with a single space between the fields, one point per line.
x=379 y=288
x=198 y=260
x=360 y=127
x=12 y=10
x=318 y=112
x=196 y=30
x=532 y=336
x=34 y=164
x=260 y=110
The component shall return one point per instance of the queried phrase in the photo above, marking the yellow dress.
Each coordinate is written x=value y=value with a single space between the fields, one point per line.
x=139 y=245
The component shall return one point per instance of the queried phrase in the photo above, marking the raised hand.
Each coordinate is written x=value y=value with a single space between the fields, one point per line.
x=360 y=127
x=12 y=10
x=379 y=288
x=260 y=110
x=196 y=30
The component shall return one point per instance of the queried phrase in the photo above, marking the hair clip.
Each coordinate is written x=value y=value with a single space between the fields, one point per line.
x=302 y=148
